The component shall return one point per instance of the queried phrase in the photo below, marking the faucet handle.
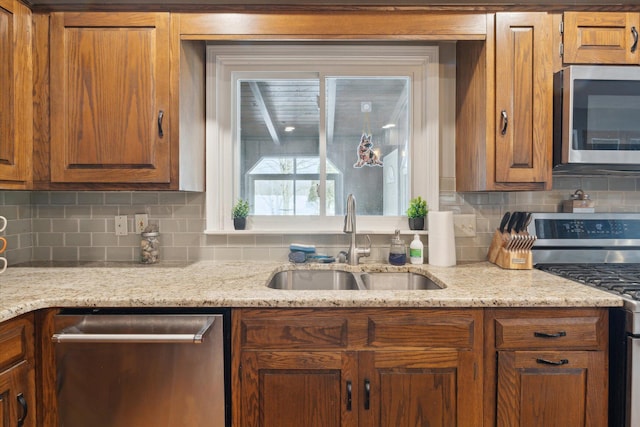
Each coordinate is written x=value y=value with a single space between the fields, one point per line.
x=367 y=250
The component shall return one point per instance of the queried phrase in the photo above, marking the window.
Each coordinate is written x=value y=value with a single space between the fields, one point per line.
x=295 y=129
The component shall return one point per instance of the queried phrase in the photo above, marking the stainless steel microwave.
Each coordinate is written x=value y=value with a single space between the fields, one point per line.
x=597 y=116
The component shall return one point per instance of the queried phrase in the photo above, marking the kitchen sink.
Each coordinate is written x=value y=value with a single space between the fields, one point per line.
x=342 y=280
x=316 y=280
x=391 y=281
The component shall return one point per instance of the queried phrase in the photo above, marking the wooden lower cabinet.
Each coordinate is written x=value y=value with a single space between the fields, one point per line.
x=17 y=373
x=360 y=367
x=546 y=367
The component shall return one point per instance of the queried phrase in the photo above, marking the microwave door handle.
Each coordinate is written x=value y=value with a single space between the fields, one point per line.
x=634 y=33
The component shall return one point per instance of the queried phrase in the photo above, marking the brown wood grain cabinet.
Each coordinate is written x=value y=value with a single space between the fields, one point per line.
x=505 y=105
x=549 y=366
x=601 y=38
x=16 y=111
x=366 y=367
x=17 y=373
x=109 y=96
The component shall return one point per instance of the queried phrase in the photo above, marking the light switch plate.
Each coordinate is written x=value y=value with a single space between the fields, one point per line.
x=140 y=222
x=121 y=225
x=464 y=225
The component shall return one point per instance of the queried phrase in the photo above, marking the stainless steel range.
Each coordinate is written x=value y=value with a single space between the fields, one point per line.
x=602 y=250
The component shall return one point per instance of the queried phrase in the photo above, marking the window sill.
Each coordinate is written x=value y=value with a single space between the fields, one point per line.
x=317 y=232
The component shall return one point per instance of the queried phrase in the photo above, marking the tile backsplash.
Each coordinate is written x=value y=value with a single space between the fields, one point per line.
x=79 y=226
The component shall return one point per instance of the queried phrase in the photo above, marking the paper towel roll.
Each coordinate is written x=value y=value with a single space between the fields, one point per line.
x=442 y=242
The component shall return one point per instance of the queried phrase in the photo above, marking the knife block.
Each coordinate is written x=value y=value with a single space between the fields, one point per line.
x=508 y=259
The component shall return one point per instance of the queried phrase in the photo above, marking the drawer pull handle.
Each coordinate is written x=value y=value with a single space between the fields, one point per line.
x=546 y=335
x=23 y=403
x=160 y=117
x=348 y=395
x=505 y=122
x=634 y=33
x=551 y=362
x=367 y=395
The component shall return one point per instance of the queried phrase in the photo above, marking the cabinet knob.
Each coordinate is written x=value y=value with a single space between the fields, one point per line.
x=634 y=33
x=552 y=362
x=547 y=335
x=349 y=395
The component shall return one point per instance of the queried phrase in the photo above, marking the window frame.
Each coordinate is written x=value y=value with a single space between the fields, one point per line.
x=226 y=64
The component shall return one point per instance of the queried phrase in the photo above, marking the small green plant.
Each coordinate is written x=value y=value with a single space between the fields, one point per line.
x=417 y=208
x=240 y=209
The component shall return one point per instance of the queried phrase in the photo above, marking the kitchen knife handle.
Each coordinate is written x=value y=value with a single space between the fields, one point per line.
x=505 y=122
x=634 y=33
x=349 y=394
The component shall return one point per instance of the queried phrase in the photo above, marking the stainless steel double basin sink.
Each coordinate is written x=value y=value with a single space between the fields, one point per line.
x=317 y=280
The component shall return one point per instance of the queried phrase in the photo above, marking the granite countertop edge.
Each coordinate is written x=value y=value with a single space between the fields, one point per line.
x=243 y=284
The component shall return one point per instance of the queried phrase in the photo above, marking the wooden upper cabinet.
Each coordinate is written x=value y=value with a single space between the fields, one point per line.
x=110 y=98
x=15 y=101
x=524 y=91
x=601 y=38
x=505 y=105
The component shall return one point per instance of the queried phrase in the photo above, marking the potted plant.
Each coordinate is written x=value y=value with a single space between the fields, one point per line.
x=239 y=213
x=416 y=213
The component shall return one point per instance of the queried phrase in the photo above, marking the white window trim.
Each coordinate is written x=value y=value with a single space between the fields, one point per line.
x=226 y=63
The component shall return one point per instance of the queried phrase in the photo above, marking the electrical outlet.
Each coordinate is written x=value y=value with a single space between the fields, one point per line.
x=464 y=225
x=121 y=225
x=141 y=222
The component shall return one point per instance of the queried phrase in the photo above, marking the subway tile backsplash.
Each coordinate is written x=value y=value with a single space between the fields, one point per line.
x=79 y=226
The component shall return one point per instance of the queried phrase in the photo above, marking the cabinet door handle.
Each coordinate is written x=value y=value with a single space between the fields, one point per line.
x=634 y=33
x=25 y=409
x=348 y=395
x=505 y=122
x=367 y=394
x=552 y=362
x=546 y=335
x=160 y=117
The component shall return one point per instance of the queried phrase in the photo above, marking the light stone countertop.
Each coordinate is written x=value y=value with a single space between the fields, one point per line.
x=242 y=284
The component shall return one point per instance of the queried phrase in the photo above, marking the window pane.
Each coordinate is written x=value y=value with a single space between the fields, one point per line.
x=273 y=197
x=278 y=133
x=368 y=139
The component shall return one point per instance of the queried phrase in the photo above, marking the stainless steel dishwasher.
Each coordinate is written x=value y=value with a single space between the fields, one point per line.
x=141 y=370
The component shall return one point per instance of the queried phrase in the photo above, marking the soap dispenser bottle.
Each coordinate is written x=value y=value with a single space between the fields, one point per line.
x=397 y=251
x=416 y=250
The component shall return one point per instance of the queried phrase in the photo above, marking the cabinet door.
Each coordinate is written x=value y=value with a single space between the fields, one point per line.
x=15 y=102
x=16 y=397
x=524 y=91
x=601 y=38
x=110 y=97
x=561 y=389
x=437 y=388
x=290 y=389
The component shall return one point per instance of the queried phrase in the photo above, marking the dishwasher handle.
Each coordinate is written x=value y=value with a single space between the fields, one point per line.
x=196 y=337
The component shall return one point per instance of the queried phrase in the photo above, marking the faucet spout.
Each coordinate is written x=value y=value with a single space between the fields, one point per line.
x=354 y=253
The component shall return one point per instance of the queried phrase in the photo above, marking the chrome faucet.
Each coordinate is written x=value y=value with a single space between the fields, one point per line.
x=354 y=253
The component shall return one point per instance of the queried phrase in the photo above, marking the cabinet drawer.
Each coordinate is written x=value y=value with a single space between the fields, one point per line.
x=423 y=329
x=312 y=330
x=541 y=333
x=14 y=339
